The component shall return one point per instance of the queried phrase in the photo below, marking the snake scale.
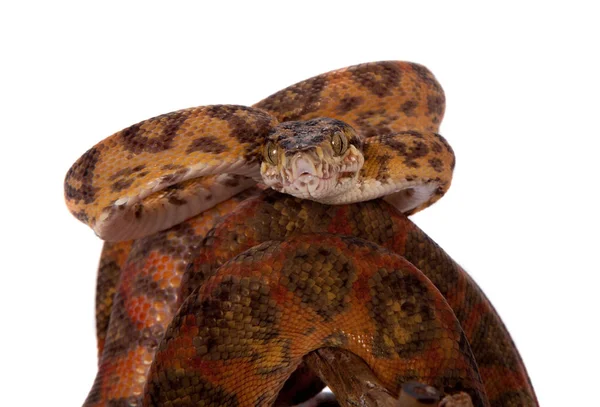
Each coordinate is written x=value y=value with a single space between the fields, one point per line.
x=239 y=239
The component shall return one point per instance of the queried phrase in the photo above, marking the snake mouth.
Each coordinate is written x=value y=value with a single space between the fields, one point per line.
x=312 y=175
x=307 y=185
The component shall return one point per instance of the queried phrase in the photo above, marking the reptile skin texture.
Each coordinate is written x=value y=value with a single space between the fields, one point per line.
x=376 y=308
x=212 y=287
x=163 y=170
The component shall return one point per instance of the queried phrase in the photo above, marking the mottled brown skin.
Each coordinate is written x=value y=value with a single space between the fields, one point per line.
x=112 y=260
x=237 y=339
x=171 y=160
x=122 y=187
x=138 y=292
x=274 y=217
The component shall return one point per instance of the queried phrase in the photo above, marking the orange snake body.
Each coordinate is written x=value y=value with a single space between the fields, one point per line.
x=219 y=309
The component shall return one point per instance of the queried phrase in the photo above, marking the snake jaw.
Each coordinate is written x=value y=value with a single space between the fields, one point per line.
x=317 y=159
x=315 y=174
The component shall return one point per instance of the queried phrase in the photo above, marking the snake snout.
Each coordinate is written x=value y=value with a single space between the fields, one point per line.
x=304 y=167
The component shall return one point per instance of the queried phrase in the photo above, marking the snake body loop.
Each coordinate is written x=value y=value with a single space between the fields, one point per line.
x=166 y=169
x=208 y=272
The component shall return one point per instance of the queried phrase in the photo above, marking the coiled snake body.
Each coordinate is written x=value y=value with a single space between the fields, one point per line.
x=219 y=309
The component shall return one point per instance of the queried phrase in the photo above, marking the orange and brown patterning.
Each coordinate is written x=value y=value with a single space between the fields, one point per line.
x=219 y=309
x=153 y=174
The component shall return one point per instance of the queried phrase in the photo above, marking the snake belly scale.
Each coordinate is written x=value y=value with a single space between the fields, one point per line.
x=253 y=280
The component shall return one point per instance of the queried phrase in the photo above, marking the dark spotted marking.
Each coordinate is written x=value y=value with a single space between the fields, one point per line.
x=491 y=350
x=175 y=200
x=493 y=341
x=306 y=278
x=427 y=77
x=383 y=160
x=126 y=172
x=435 y=106
x=232 y=181
x=174 y=177
x=380 y=79
x=109 y=275
x=381 y=128
x=184 y=385
x=413 y=319
x=121 y=184
x=206 y=144
x=448 y=148
x=436 y=164
x=413 y=133
x=124 y=334
x=408 y=107
x=248 y=125
x=145 y=285
x=409 y=153
x=136 y=140
x=138 y=210
x=349 y=103
x=82 y=216
x=163 y=242
x=169 y=167
x=224 y=308
x=83 y=171
x=306 y=98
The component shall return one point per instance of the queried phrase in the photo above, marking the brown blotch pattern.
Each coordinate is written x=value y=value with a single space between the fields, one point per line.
x=121 y=184
x=400 y=303
x=234 y=299
x=427 y=77
x=207 y=144
x=298 y=101
x=225 y=319
x=379 y=79
x=159 y=390
x=82 y=172
x=349 y=103
x=319 y=286
x=409 y=152
x=436 y=164
x=408 y=107
x=247 y=125
x=381 y=128
x=137 y=140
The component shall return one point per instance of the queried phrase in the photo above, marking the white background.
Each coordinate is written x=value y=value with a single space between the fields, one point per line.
x=522 y=86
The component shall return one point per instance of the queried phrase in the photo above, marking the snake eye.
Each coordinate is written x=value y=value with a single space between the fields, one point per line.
x=270 y=153
x=339 y=142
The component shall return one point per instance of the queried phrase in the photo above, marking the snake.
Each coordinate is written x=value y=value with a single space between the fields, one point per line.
x=212 y=288
x=350 y=135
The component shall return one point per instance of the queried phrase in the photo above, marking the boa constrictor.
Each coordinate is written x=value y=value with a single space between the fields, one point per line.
x=219 y=309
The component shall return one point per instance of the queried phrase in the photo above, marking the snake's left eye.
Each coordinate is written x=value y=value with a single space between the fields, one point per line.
x=270 y=153
x=339 y=142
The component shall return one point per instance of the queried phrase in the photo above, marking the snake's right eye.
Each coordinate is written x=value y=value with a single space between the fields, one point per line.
x=270 y=153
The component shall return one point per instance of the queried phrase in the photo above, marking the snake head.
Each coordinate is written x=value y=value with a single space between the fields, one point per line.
x=312 y=159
